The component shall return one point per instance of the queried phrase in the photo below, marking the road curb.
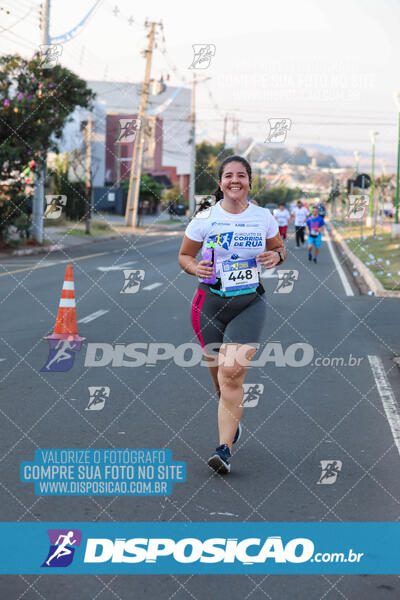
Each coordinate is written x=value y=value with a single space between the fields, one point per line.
x=373 y=283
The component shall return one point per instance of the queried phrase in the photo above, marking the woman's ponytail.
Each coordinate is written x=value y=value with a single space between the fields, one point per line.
x=218 y=194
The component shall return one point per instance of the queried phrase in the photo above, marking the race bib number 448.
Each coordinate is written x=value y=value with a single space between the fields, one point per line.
x=239 y=275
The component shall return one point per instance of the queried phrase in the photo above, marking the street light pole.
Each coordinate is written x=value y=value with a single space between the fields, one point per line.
x=357 y=157
x=192 y=186
x=373 y=135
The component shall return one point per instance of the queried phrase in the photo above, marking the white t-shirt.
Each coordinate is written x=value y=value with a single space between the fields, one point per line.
x=240 y=235
x=282 y=216
x=300 y=216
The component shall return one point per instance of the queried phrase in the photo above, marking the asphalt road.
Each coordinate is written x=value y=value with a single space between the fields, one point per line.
x=304 y=415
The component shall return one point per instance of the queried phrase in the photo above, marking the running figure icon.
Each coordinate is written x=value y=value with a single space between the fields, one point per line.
x=62 y=549
x=62 y=354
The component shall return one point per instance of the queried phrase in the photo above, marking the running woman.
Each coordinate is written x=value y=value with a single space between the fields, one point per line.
x=282 y=215
x=315 y=224
x=228 y=315
x=300 y=215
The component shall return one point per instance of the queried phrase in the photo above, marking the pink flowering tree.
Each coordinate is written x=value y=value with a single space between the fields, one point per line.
x=35 y=104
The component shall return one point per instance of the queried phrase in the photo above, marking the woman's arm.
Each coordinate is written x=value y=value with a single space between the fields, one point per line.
x=187 y=259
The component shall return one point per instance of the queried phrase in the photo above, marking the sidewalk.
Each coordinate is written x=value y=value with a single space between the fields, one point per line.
x=57 y=238
x=360 y=256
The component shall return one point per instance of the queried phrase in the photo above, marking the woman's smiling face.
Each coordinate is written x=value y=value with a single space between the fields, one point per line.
x=235 y=182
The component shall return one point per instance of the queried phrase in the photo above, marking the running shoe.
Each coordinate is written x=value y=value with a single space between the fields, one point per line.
x=237 y=434
x=309 y=256
x=315 y=259
x=220 y=461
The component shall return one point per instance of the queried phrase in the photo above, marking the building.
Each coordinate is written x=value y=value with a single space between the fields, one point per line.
x=168 y=152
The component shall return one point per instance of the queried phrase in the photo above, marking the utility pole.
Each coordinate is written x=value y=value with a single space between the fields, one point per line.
x=236 y=130
x=192 y=188
x=38 y=195
x=131 y=213
x=193 y=145
x=225 y=126
x=88 y=174
x=117 y=160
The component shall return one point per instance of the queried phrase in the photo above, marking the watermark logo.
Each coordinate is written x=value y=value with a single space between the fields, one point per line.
x=61 y=355
x=97 y=397
x=205 y=213
x=54 y=206
x=251 y=394
x=357 y=206
x=278 y=129
x=203 y=54
x=330 y=469
x=99 y=354
x=133 y=278
x=193 y=550
x=286 y=279
x=50 y=54
x=127 y=130
x=62 y=547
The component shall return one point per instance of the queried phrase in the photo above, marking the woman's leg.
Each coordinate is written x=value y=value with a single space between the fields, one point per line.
x=231 y=374
x=214 y=374
x=297 y=236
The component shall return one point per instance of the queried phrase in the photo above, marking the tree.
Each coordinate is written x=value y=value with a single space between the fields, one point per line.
x=150 y=189
x=259 y=190
x=281 y=194
x=208 y=159
x=35 y=104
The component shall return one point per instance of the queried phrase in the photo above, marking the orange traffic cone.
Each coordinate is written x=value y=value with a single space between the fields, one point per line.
x=65 y=327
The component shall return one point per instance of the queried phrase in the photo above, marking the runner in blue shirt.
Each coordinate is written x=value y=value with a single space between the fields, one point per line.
x=315 y=224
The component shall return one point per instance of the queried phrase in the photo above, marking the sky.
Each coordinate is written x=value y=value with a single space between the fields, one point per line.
x=331 y=68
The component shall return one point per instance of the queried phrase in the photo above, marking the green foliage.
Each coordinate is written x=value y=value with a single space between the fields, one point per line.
x=150 y=189
x=35 y=104
x=208 y=159
x=75 y=192
x=280 y=194
x=13 y=204
x=23 y=225
x=174 y=195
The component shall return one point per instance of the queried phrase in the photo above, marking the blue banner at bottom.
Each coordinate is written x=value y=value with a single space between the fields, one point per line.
x=155 y=548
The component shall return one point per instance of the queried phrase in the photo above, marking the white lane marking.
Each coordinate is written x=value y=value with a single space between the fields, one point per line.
x=347 y=287
x=152 y=286
x=93 y=316
x=119 y=267
x=387 y=396
x=43 y=266
x=72 y=260
x=1 y=359
x=269 y=273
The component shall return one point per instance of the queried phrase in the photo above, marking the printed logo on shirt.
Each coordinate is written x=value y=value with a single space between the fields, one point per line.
x=222 y=239
x=219 y=223
x=248 y=240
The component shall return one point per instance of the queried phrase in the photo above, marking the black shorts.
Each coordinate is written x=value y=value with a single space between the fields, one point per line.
x=217 y=319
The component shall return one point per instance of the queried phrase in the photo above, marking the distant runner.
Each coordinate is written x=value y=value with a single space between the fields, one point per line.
x=300 y=215
x=315 y=224
x=282 y=215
